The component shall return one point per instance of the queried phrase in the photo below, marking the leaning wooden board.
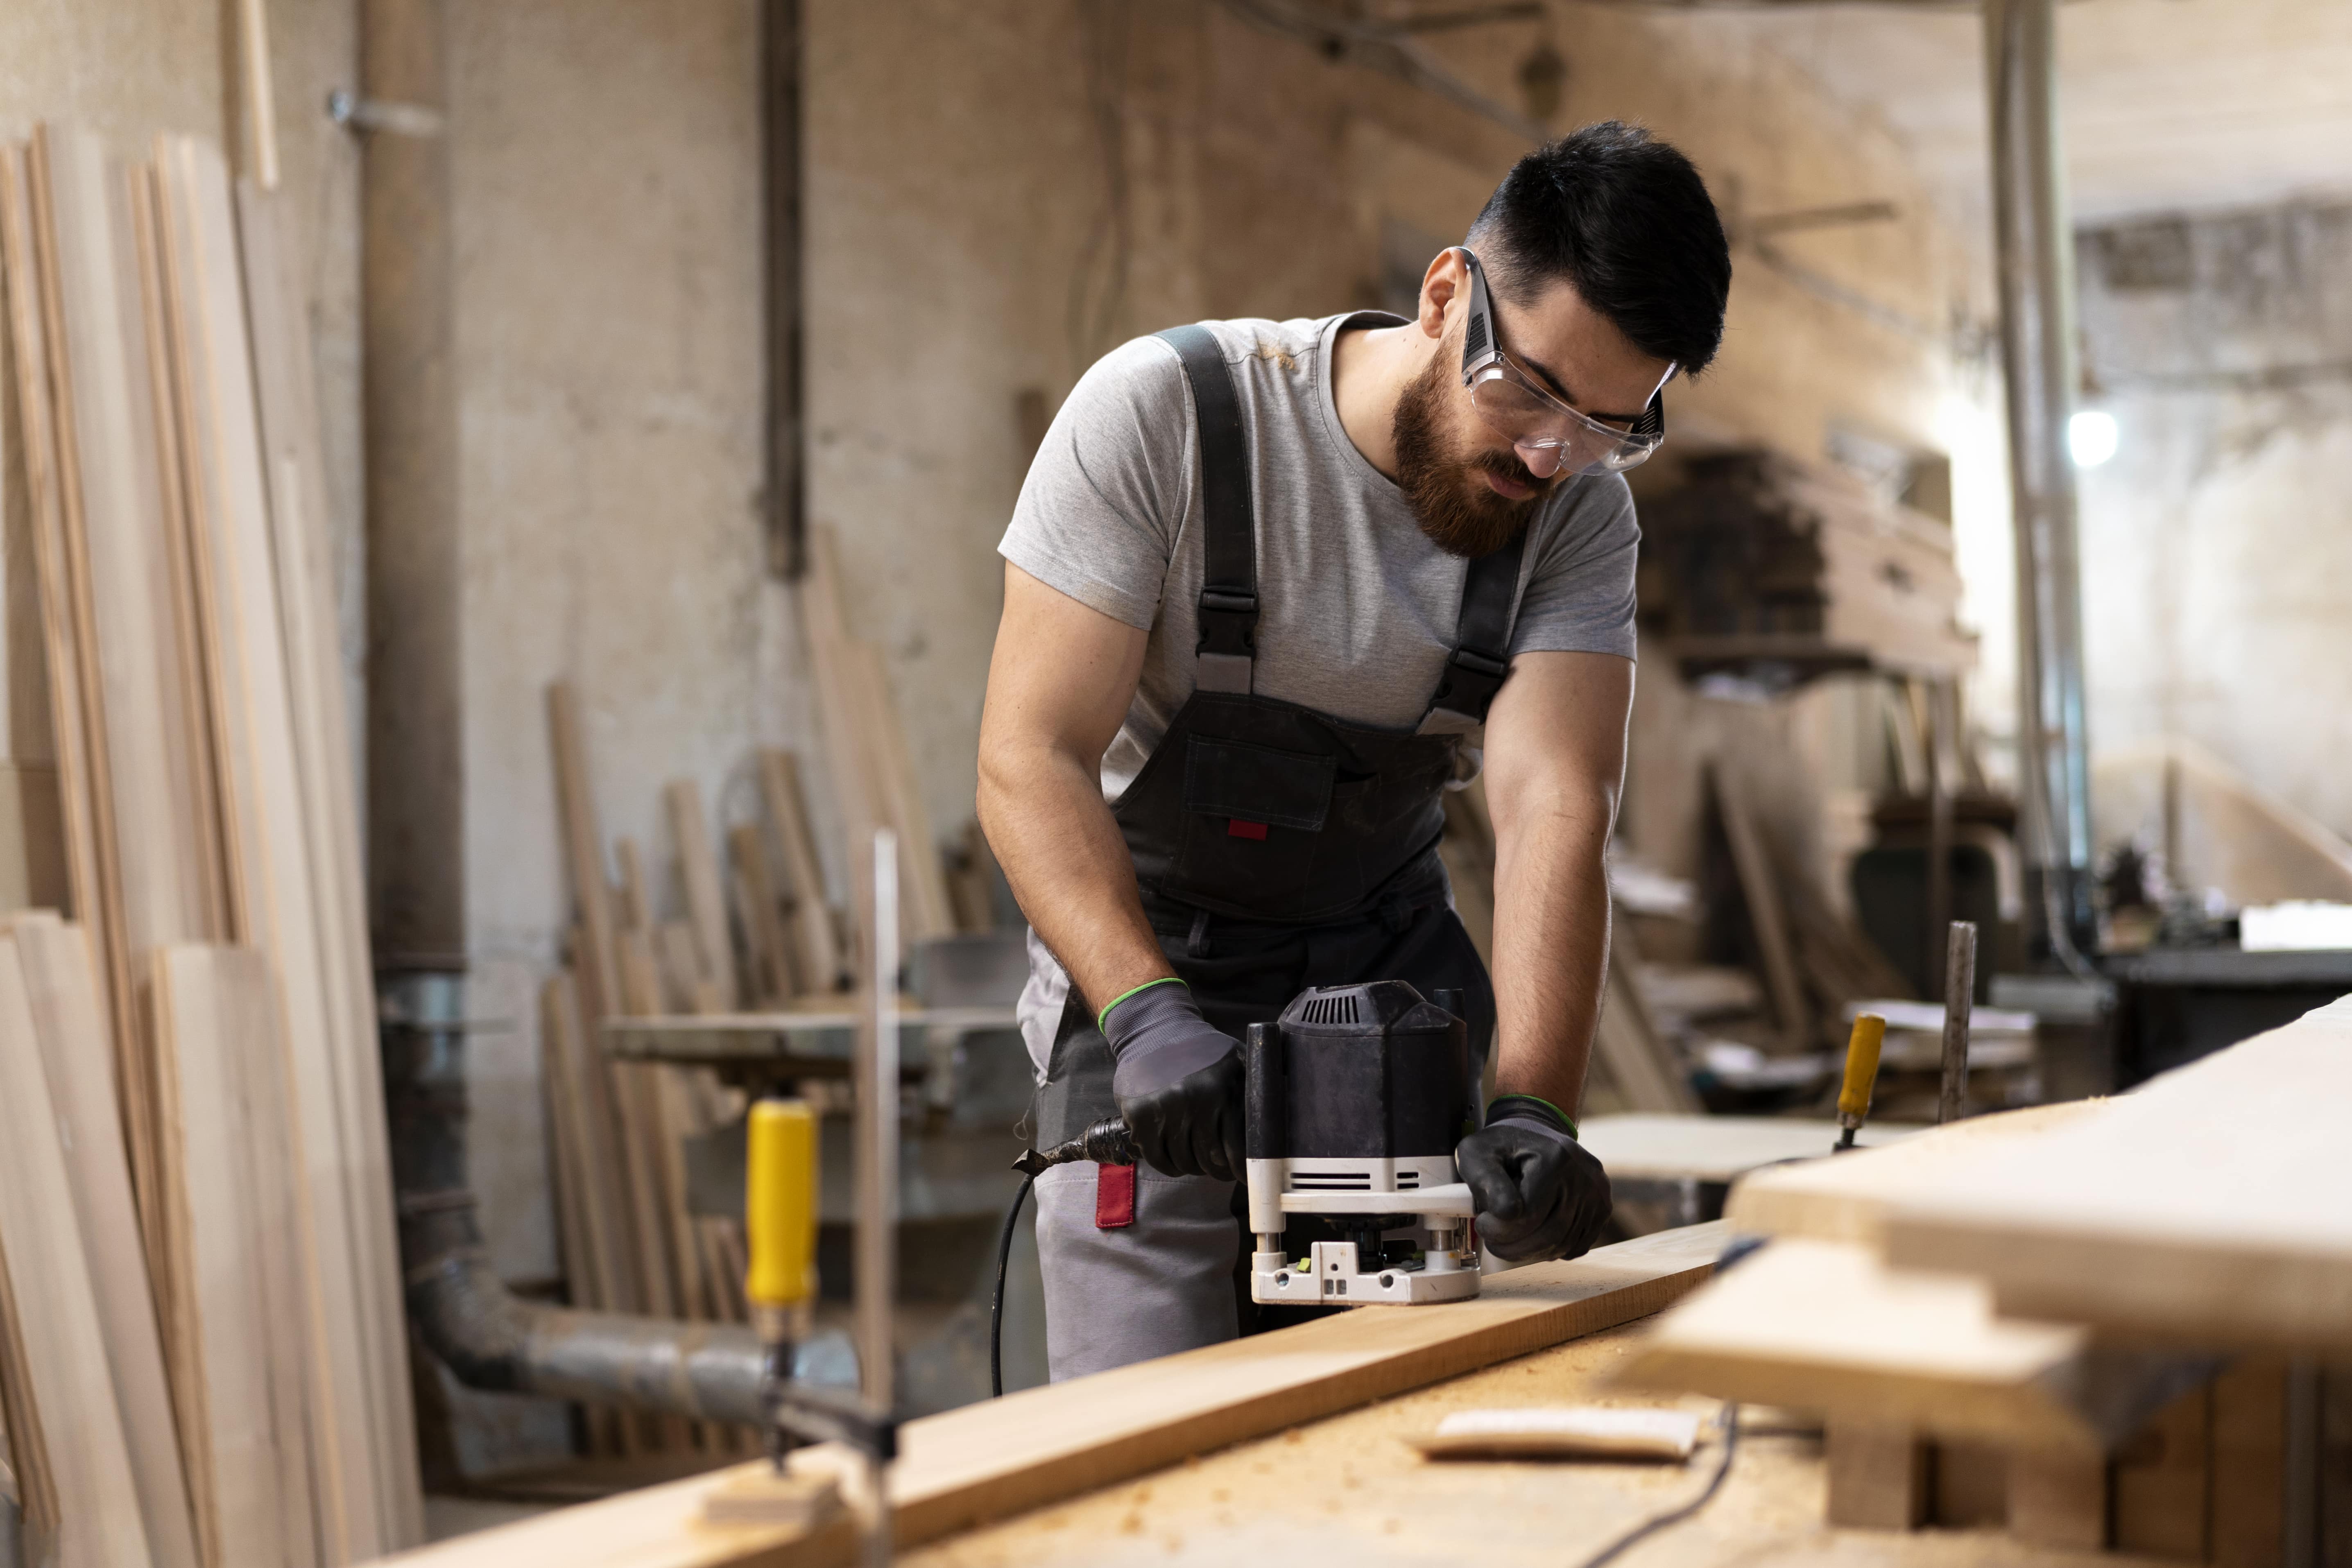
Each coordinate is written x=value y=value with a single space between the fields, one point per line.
x=991 y=1460
x=2206 y=1207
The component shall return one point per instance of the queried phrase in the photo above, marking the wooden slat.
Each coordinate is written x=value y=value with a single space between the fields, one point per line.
x=1002 y=1455
x=1640 y=1058
x=633 y=909
x=706 y=901
x=287 y=893
x=772 y=979
x=61 y=989
x=69 y=674
x=811 y=919
x=1760 y=891
x=849 y=749
x=239 y=1324
x=930 y=912
x=85 y=1451
x=2205 y=1207
x=594 y=1261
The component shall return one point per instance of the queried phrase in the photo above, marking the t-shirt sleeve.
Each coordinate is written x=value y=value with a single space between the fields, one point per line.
x=1580 y=596
x=1105 y=499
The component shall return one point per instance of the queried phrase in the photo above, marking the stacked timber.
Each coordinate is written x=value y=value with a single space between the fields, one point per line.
x=201 y=1332
x=2079 y=1322
x=1757 y=557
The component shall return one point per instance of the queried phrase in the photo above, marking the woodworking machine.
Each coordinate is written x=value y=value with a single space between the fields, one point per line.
x=1356 y=1097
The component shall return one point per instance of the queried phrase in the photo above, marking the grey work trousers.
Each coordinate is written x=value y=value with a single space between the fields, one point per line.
x=1160 y=1284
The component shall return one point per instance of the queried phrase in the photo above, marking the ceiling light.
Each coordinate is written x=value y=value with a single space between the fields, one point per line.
x=2091 y=435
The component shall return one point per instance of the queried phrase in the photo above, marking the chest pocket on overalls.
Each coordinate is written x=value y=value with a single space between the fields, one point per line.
x=1252 y=819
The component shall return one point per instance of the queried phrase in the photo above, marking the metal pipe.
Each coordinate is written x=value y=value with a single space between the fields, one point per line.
x=487 y=1335
x=2034 y=255
x=878 y=1184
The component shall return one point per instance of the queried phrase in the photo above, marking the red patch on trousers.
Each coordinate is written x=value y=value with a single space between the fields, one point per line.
x=1239 y=827
x=1114 y=1196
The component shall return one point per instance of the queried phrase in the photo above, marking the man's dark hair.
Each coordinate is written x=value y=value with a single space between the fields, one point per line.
x=1625 y=218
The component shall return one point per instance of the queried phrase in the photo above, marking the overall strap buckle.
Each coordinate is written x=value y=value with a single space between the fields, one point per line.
x=1228 y=602
x=1473 y=674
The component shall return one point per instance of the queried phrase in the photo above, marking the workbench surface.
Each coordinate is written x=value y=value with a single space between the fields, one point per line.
x=1349 y=1490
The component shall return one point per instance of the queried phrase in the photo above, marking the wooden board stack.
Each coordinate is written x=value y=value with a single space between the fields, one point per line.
x=2078 y=1321
x=230 y=1180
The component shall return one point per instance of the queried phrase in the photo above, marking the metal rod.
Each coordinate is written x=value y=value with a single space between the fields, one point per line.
x=1959 y=1000
x=877 y=1178
x=1939 y=837
x=2034 y=252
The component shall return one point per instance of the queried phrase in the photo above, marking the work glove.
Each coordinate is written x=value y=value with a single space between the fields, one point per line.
x=1540 y=1193
x=1177 y=1082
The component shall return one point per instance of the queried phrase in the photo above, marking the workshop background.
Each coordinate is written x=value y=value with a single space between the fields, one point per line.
x=622 y=315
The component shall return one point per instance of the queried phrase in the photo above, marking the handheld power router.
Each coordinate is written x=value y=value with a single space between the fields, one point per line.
x=1353 y=1101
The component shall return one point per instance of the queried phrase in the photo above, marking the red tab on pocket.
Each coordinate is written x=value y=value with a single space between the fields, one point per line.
x=1114 y=1196
x=1239 y=827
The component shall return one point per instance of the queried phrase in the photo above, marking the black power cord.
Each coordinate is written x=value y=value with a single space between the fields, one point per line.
x=996 y=1305
x=1649 y=1527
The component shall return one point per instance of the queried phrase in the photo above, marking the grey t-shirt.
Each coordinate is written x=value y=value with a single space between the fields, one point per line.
x=1357 y=608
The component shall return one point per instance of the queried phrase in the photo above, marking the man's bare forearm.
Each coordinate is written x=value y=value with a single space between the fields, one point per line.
x=1551 y=951
x=1044 y=814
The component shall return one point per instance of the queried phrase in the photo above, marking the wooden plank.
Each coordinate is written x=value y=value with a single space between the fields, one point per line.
x=818 y=943
x=594 y=1261
x=1640 y=1061
x=848 y=753
x=56 y=1316
x=2204 y=1207
x=929 y=911
x=772 y=983
x=1035 y=1447
x=1849 y=1199
x=61 y=990
x=295 y=471
x=239 y=1322
x=706 y=902
x=69 y=674
x=275 y=860
x=633 y=908
x=28 y=1447
x=2162 y=1482
x=1760 y=891
x=1879 y=1475
x=1719 y=1148
x=1821 y=1325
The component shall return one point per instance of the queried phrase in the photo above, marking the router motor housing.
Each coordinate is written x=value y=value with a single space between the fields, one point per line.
x=1357 y=1095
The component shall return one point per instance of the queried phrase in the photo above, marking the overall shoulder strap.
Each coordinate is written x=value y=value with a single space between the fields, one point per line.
x=1228 y=607
x=1482 y=643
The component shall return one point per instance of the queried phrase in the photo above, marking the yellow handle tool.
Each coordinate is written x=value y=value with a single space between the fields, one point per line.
x=780 y=1214
x=1861 y=1048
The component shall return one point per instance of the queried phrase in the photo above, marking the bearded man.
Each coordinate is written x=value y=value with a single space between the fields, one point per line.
x=1270 y=588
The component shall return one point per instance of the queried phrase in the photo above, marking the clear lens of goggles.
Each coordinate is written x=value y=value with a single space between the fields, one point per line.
x=1585 y=446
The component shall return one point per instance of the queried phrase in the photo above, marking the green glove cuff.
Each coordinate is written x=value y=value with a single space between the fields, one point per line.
x=1103 y=1017
x=1557 y=1114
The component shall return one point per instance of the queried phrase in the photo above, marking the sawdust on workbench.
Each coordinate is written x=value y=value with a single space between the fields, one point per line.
x=1351 y=1489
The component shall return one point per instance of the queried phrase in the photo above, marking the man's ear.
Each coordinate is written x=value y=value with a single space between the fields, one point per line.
x=1440 y=287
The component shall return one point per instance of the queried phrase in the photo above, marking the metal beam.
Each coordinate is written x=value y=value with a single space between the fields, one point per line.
x=2034 y=256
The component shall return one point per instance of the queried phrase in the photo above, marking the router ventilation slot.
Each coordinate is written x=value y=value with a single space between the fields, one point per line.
x=1332 y=1182
x=1339 y=1009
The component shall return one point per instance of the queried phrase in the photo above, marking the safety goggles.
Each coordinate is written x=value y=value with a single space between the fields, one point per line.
x=1526 y=415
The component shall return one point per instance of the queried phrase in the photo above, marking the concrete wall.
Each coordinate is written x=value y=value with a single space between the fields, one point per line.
x=2217 y=545
x=964 y=248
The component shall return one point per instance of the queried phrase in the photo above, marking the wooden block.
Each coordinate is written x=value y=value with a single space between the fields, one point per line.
x=1970 y=1481
x=2250 y=1464
x=821 y=963
x=2059 y=1498
x=61 y=991
x=2162 y=1478
x=1822 y=1325
x=1878 y=1477
x=706 y=904
x=53 y=1297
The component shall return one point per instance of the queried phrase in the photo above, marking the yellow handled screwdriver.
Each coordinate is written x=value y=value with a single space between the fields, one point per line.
x=779 y=1230
x=1861 y=1048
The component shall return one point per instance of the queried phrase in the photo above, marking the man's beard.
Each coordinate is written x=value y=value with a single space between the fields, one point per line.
x=1461 y=513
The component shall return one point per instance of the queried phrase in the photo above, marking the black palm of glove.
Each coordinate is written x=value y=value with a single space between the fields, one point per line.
x=1177 y=1082
x=1541 y=1194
